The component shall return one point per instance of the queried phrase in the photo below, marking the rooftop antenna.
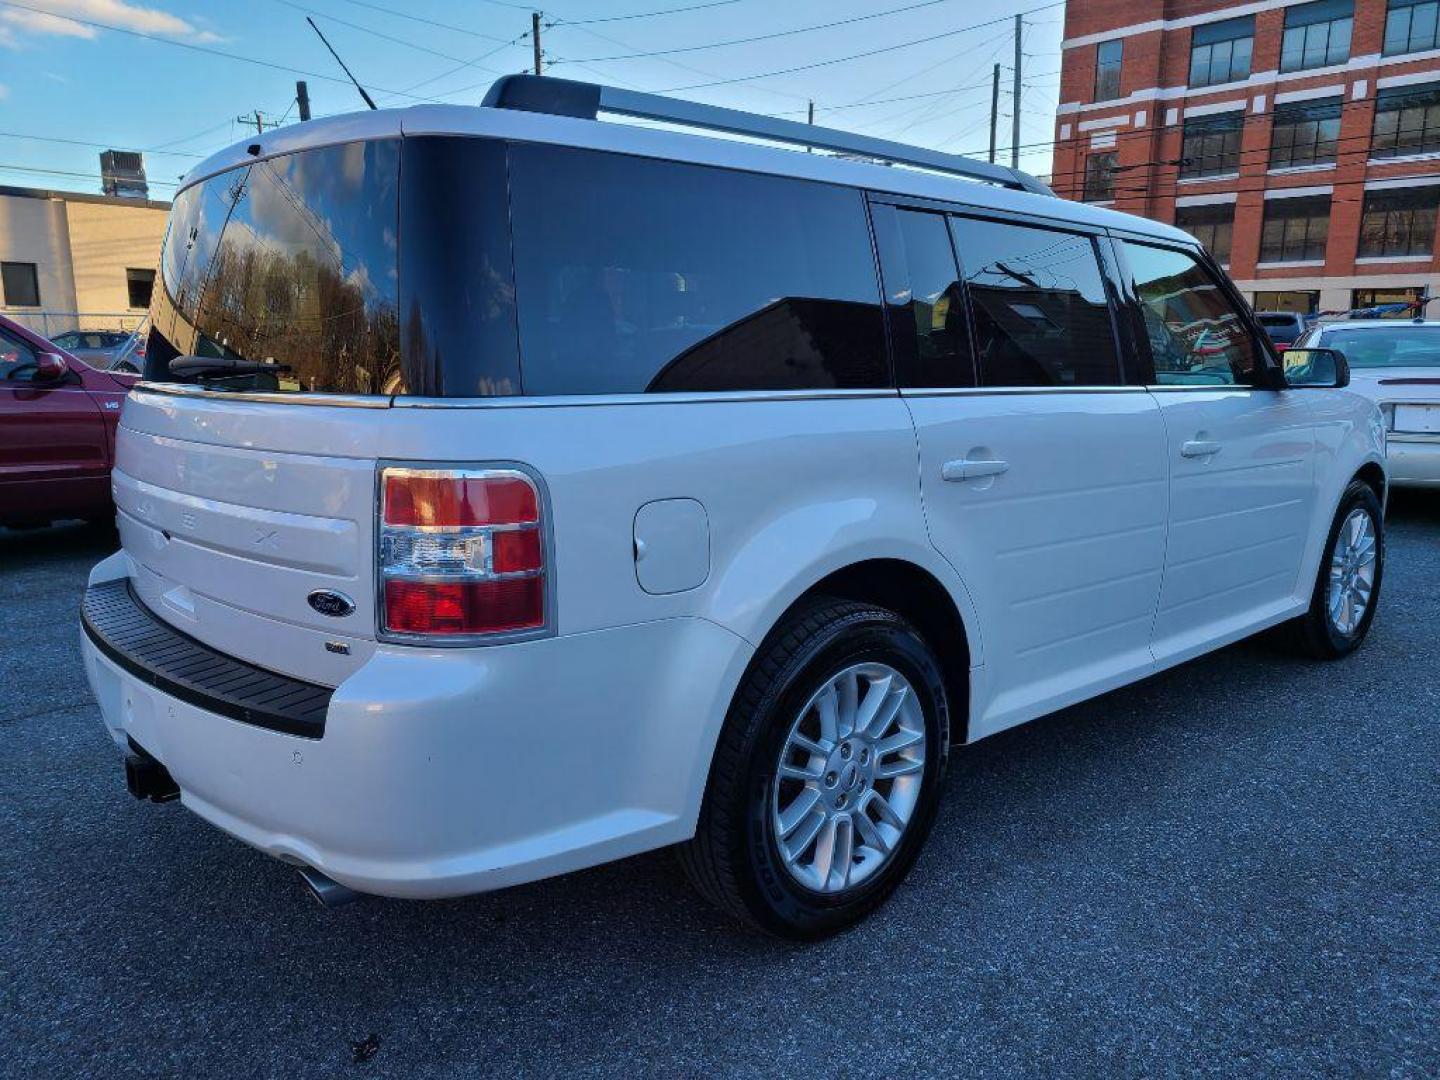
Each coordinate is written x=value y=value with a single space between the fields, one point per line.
x=343 y=68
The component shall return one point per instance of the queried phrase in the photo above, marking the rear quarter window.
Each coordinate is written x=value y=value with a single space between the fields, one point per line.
x=634 y=275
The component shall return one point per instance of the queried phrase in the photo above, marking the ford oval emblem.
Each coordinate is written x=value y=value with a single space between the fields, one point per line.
x=328 y=602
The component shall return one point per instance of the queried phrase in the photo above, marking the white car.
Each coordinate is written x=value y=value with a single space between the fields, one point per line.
x=513 y=491
x=1396 y=364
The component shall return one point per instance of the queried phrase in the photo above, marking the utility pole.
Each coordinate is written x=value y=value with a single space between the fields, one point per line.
x=994 y=110
x=535 y=37
x=302 y=98
x=254 y=118
x=1015 y=102
x=810 y=119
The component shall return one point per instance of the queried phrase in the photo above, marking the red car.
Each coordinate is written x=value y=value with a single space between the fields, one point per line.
x=57 y=431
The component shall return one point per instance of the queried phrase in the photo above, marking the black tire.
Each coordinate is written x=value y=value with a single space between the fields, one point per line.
x=733 y=859
x=1314 y=633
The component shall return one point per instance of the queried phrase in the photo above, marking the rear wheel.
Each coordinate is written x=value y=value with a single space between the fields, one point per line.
x=827 y=774
x=1347 y=587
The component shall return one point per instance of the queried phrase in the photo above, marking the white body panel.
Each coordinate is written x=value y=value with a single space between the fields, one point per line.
x=1061 y=551
x=681 y=528
x=1238 y=516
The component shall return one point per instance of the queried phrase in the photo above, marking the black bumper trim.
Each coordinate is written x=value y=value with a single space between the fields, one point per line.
x=174 y=663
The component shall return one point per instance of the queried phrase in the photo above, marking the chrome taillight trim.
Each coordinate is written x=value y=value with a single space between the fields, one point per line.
x=469 y=469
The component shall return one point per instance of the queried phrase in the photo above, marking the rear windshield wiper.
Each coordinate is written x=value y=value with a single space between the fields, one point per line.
x=223 y=367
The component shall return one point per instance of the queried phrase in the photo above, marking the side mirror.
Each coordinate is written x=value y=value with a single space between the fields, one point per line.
x=1323 y=368
x=49 y=367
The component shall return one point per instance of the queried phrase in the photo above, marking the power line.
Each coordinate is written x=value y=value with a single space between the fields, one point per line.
x=100 y=145
x=66 y=172
x=1240 y=154
x=429 y=22
x=188 y=138
x=855 y=56
x=307 y=9
x=764 y=37
x=642 y=14
x=466 y=65
x=880 y=101
x=205 y=49
x=680 y=64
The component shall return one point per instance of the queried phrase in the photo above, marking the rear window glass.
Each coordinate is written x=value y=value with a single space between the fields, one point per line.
x=285 y=270
x=1400 y=347
x=1286 y=322
x=634 y=275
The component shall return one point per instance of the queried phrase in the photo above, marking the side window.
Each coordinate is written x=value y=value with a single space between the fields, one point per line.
x=929 y=328
x=635 y=275
x=1040 y=307
x=1196 y=335
x=16 y=358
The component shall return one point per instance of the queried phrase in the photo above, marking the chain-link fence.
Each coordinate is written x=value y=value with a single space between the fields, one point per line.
x=51 y=324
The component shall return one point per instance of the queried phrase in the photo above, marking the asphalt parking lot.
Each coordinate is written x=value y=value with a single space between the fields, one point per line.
x=1231 y=868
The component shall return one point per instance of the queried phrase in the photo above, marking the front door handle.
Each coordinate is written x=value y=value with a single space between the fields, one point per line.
x=971 y=469
x=1199 y=448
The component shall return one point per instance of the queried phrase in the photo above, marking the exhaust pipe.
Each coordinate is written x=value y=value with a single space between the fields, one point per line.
x=329 y=892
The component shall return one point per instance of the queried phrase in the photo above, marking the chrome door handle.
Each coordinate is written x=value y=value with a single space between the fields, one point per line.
x=971 y=469
x=1199 y=448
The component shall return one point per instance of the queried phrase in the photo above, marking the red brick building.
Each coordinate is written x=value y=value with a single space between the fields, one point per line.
x=1300 y=141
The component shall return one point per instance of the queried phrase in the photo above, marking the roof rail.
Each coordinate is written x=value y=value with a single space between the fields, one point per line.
x=565 y=97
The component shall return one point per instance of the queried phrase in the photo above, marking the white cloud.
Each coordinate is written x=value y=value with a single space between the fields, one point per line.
x=58 y=18
x=4 y=91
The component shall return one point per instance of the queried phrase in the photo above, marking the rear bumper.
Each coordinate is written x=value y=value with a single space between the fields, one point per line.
x=446 y=772
x=1413 y=460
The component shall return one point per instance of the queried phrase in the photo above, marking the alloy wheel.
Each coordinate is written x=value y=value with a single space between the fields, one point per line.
x=1352 y=572
x=849 y=777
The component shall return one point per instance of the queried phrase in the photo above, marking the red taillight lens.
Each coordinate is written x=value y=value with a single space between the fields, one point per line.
x=462 y=553
x=470 y=607
x=450 y=499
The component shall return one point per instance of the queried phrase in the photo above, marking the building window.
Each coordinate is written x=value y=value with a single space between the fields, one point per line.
x=1100 y=176
x=21 y=284
x=1211 y=145
x=1107 y=69
x=1399 y=221
x=1361 y=299
x=140 y=283
x=1211 y=225
x=1220 y=51
x=1300 y=303
x=1407 y=121
x=1317 y=34
x=1295 y=230
x=1305 y=133
x=1410 y=26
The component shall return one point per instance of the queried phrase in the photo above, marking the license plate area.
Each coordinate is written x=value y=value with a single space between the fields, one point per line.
x=1418 y=419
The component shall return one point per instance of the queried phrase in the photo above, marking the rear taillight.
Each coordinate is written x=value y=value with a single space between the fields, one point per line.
x=462 y=554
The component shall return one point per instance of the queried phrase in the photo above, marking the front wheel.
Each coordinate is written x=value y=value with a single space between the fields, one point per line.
x=1347 y=587
x=827 y=773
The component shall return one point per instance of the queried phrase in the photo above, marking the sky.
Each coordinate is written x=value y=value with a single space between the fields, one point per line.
x=171 y=77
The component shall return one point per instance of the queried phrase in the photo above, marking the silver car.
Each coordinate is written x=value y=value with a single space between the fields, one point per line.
x=1396 y=364
x=108 y=350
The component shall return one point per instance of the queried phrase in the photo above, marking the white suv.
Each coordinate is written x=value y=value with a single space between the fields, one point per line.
x=513 y=491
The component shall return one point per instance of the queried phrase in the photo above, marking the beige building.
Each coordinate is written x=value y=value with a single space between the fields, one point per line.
x=69 y=260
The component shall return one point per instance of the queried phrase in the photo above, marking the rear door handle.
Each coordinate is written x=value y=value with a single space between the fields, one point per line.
x=1199 y=448
x=971 y=469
